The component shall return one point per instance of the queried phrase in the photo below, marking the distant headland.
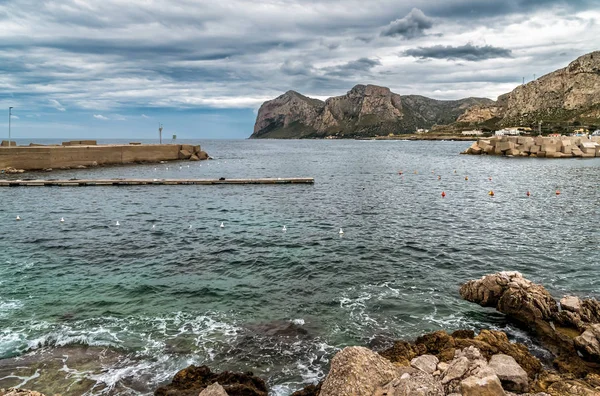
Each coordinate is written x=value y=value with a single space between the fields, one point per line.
x=558 y=102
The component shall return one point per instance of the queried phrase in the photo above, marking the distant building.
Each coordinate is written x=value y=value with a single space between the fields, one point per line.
x=596 y=132
x=509 y=131
x=554 y=135
x=419 y=130
x=474 y=132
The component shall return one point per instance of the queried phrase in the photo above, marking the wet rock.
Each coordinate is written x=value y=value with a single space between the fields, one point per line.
x=485 y=383
x=357 y=371
x=469 y=334
x=213 y=390
x=572 y=388
x=19 y=392
x=202 y=155
x=403 y=352
x=415 y=383
x=194 y=157
x=425 y=363
x=194 y=379
x=184 y=154
x=588 y=343
x=511 y=375
x=310 y=390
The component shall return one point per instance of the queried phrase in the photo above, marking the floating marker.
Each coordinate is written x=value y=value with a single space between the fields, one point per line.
x=528 y=193
x=190 y=226
x=454 y=170
x=557 y=192
x=284 y=229
x=222 y=225
x=416 y=172
x=117 y=223
x=18 y=218
x=341 y=232
x=153 y=226
x=466 y=177
x=400 y=172
x=62 y=219
x=439 y=177
x=489 y=178
x=443 y=194
x=491 y=193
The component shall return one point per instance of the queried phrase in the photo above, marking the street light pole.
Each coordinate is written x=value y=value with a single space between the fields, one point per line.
x=9 y=117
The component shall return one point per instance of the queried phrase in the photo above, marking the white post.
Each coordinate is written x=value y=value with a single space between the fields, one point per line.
x=9 y=117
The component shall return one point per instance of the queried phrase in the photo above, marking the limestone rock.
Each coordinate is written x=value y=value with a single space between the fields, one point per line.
x=184 y=154
x=357 y=371
x=588 y=343
x=194 y=157
x=415 y=383
x=512 y=294
x=511 y=375
x=425 y=363
x=456 y=370
x=572 y=388
x=485 y=383
x=213 y=390
x=19 y=392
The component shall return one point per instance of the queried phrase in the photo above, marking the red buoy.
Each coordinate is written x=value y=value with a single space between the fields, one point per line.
x=443 y=194
x=557 y=192
x=528 y=193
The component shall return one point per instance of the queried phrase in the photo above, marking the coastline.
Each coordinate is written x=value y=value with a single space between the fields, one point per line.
x=442 y=363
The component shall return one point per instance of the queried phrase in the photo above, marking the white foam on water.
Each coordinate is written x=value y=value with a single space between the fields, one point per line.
x=9 y=305
x=24 y=380
x=299 y=322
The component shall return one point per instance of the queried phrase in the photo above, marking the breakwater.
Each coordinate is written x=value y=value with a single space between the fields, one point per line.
x=539 y=146
x=77 y=155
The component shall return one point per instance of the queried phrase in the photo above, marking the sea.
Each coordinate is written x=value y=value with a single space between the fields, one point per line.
x=89 y=307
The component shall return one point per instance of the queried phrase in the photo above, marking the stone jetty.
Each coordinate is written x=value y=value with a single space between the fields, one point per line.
x=86 y=153
x=539 y=146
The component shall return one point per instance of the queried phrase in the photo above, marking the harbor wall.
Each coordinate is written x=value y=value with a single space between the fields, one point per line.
x=60 y=157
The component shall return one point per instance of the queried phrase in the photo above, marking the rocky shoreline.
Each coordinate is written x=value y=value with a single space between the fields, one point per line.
x=460 y=363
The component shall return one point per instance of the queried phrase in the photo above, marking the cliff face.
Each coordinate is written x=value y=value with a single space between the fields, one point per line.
x=366 y=110
x=568 y=94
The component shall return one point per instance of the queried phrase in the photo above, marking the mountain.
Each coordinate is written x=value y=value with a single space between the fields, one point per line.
x=567 y=95
x=366 y=110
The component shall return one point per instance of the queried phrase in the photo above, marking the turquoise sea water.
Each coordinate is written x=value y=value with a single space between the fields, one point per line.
x=252 y=297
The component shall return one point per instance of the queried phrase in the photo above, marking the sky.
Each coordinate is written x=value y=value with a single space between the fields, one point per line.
x=118 y=68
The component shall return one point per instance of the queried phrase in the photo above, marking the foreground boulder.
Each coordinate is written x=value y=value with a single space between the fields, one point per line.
x=512 y=376
x=357 y=371
x=19 y=392
x=195 y=379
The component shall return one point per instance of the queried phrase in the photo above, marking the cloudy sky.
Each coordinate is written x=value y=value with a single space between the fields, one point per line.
x=115 y=68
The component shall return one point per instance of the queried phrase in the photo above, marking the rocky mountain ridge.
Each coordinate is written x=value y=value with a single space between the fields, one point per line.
x=366 y=110
x=565 y=96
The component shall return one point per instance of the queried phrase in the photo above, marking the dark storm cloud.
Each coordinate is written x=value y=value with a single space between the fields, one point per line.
x=412 y=25
x=359 y=66
x=467 y=52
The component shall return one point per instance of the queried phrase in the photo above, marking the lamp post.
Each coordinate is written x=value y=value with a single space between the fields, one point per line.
x=9 y=117
x=160 y=129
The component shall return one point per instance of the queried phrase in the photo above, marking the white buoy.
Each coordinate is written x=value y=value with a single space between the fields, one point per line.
x=222 y=225
x=117 y=224
x=190 y=226
x=62 y=219
x=167 y=168
x=154 y=168
x=18 y=218
x=180 y=167
x=188 y=166
x=284 y=229
x=341 y=232
x=153 y=226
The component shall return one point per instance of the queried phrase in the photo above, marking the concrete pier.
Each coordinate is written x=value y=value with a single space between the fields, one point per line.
x=149 y=182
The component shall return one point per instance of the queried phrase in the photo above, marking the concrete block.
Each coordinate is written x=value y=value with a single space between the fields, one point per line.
x=577 y=152
x=566 y=149
x=538 y=141
x=513 y=151
x=534 y=149
x=541 y=154
x=549 y=147
x=184 y=154
x=503 y=146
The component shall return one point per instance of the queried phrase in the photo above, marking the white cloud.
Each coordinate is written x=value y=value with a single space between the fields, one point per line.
x=100 y=117
x=145 y=116
x=56 y=104
x=14 y=117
